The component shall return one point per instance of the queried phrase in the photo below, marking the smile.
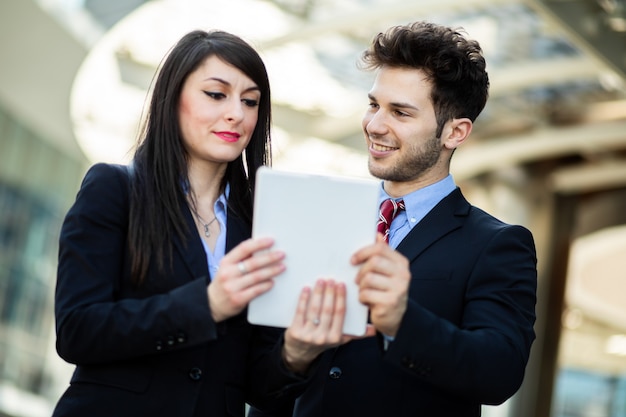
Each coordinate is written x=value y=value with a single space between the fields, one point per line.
x=382 y=148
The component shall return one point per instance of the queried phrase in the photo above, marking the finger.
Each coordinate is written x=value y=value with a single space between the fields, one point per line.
x=299 y=319
x=381 y=301
x=366 y=252
x=247 y=248
x=259 y=261
x=370 y=331
x=387 y=263
x=241 y=266
x=246 y=295
x=327 y=305
x=227 y=298
x=374 y=281
x=255 y=278
x=314 y=308
x=367 y=268
x=374 y=265
x=371 y=297
x=339 y=310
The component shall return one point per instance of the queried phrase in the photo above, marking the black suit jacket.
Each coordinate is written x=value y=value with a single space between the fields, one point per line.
x=153 y=350
x=465 y=337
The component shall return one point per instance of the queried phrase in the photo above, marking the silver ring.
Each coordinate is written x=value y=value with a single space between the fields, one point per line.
x=242 y=268
x=316 y=322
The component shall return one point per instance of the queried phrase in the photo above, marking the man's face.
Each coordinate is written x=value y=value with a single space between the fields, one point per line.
x=400 y=128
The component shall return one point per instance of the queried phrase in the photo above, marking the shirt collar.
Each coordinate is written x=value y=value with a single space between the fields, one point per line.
x=419 y=202
x=221 y=203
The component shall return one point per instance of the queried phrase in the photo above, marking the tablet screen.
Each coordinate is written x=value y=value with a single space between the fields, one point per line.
x=319 y=221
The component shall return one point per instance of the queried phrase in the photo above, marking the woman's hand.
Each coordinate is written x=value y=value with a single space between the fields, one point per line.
x=241 y=277
x=317 y=325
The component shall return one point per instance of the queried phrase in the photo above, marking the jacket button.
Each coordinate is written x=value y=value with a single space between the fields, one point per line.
x=408 y=362
x=335 y=372
x=195 y=374
x=159 y=345
x=425 y=371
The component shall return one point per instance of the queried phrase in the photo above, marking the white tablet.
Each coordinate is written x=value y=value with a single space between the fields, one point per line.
x=319 y=221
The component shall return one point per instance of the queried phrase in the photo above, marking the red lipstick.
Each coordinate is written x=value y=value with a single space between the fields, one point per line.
x=228 y=136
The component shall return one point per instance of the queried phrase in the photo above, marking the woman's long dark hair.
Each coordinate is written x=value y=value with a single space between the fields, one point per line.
x=160 y=161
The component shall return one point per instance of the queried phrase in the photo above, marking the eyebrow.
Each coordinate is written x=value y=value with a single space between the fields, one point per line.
x=396 y=104
x=222 y=81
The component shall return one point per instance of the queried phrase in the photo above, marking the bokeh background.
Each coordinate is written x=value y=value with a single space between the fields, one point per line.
x=548 y=152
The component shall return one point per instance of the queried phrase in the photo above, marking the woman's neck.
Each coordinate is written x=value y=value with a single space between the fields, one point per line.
x=205 y=183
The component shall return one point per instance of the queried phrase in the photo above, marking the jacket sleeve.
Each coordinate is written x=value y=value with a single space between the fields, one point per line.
x=99 y=316
x=270 y=376
x=484 y=355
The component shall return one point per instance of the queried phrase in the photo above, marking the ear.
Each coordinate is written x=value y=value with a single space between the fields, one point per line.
x=458 y=130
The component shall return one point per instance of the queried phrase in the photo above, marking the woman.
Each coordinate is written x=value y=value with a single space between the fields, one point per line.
x=152 y=324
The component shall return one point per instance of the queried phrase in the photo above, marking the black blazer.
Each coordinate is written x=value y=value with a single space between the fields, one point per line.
x=152 y=350
x=465 y=337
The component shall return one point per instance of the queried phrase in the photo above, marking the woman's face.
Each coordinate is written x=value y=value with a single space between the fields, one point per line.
x=218 y=112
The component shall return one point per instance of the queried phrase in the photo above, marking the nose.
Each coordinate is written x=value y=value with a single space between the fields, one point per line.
x=374 y=123
x=235 y=112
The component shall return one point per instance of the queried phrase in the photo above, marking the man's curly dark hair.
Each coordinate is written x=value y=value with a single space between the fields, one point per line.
x=453 y=64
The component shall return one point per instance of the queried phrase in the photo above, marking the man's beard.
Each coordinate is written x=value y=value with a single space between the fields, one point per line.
x=411 y=165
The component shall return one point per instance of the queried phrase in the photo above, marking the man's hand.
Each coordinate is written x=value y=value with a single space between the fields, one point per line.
x=383 y=280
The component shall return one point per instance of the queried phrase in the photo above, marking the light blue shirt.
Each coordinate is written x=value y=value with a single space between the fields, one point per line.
x=417 y=205
x=214 y=258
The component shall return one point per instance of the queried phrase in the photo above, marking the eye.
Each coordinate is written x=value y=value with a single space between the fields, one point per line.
x=400 y=113
x=373 y=105
x=250 y=102
x=215 y=95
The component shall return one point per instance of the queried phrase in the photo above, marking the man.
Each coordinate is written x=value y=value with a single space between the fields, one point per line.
x=452 y=296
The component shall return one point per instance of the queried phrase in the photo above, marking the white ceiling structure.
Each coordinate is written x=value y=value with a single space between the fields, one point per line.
x=557 y=88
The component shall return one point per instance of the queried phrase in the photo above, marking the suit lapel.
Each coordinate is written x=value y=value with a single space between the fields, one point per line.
x=446 y=216
x=237 y=231
x=192 y=251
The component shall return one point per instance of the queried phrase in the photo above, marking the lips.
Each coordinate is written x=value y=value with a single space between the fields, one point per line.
x=228 y=136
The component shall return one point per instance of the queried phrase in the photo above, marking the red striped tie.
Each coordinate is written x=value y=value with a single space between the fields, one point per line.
x=389 y=209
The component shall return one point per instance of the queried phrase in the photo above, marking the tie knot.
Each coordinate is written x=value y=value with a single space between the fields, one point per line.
x=389 y=209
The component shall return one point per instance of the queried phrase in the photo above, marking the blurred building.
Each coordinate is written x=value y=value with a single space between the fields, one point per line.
x=548 y=152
